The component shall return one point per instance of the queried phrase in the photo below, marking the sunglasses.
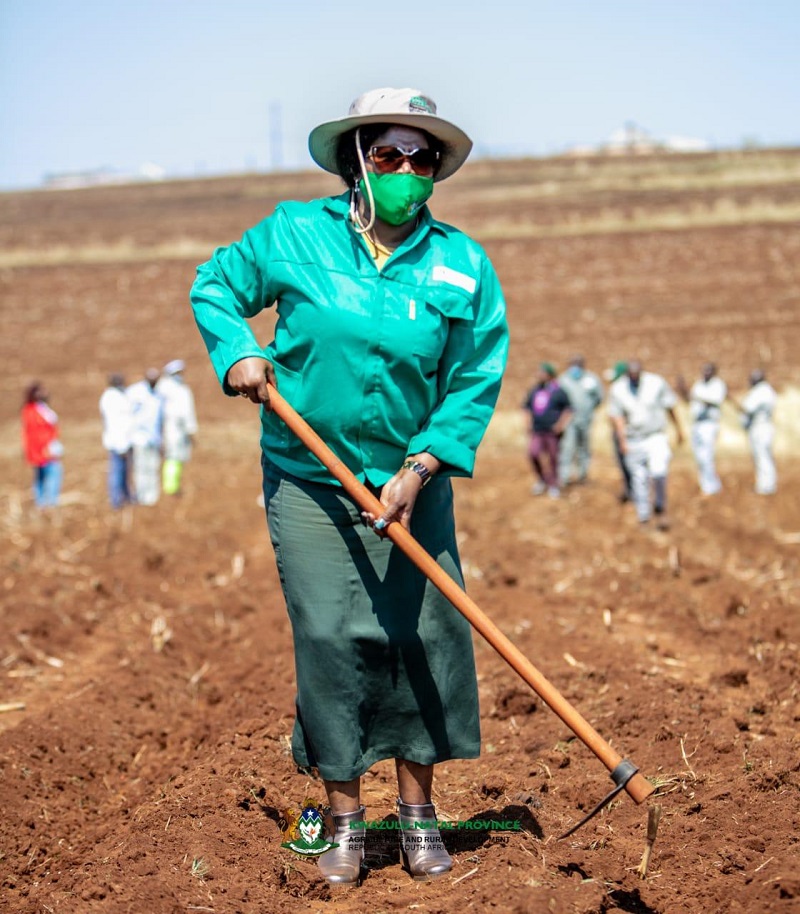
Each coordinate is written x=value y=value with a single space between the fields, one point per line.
x=388 y=159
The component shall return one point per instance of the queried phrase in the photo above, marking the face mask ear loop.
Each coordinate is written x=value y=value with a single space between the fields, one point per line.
x=354 y=206
x=355 y=215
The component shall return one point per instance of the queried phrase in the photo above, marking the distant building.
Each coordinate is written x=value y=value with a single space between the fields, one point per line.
x=96 y=177
x=686 y=144
x=68 y=180
x=631 y=139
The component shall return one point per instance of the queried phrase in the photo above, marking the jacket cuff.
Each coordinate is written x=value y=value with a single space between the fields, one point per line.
x=457 y=459
x=224 y=367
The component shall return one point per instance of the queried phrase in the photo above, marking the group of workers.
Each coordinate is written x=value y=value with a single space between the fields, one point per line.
x=149 y=427
x=148 y=430
x=640 y=405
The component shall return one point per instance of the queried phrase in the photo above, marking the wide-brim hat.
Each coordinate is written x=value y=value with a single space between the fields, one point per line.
x=408 y=107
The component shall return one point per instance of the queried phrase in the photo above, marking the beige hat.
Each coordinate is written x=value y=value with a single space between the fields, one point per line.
x=409 y=107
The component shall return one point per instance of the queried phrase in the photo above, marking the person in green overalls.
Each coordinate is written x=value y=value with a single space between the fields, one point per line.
x=391 y=340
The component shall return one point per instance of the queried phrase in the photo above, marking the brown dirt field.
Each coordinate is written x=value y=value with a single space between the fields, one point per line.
x=150 y=765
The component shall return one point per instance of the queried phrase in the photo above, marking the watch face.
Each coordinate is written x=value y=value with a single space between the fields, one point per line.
x=419 y=468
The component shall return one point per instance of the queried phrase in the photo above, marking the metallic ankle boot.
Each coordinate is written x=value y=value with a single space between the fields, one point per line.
x=342 y=865
x=424 y=854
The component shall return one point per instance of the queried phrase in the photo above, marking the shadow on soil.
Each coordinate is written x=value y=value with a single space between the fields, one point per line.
x=618 y=899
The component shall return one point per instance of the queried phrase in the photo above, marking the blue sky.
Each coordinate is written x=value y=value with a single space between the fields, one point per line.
x=190 y=85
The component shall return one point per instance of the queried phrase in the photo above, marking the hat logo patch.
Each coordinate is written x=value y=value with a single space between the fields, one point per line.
x=418 y=103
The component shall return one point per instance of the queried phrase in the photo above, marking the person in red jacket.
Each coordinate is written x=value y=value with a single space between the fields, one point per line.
x=43 y=449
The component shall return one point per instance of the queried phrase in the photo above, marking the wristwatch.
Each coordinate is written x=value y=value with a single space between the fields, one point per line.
x=420 y=469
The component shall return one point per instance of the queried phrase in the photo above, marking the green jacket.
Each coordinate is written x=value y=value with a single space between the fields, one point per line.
x=380 y=363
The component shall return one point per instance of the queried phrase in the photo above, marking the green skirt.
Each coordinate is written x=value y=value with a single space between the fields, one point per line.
x=384 y=663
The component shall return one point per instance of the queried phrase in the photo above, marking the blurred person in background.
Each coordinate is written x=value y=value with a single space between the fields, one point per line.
x=611 y=375
x=147 y=421
x=549 y=413
x=180 y=424
x=705 y=399
x=116 y=413
x=639 y=404
x=391 y=341
x=757 y=417
x=585 y=392
x=42 y=447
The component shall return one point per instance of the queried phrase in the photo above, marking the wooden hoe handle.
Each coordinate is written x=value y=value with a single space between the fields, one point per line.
x=636 y=786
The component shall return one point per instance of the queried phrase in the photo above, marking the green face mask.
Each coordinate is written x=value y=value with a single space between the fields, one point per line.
x=398 y=197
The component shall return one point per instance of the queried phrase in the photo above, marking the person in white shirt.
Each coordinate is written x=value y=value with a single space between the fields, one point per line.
x=147 y=412
x=705 y=401
x=758 y=410
x=180 y=424
x=116 y=413
x=639 y=404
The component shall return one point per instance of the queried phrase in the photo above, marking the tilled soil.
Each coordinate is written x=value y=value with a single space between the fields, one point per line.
x=150 y=766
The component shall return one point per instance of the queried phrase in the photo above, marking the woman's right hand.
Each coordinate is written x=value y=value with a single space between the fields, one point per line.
x=249 y=377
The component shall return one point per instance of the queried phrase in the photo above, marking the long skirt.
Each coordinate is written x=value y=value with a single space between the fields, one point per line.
x=384 y=663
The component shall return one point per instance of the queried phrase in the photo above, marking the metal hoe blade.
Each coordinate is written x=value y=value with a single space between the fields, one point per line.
x=620 y=776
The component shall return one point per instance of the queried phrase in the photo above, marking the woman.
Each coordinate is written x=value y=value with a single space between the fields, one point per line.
x=42 y=447
x=391 y=341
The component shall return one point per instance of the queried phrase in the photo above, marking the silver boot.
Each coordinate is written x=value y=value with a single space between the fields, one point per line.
x=422 y=848
x=342 y=865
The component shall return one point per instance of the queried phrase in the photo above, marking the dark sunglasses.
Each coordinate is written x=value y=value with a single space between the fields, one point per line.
x=388 y=159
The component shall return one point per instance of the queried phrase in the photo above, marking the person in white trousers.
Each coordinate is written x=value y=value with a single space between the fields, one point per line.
x=147 y=418
x=758 y=410
x=705 y=401
x=639 y=404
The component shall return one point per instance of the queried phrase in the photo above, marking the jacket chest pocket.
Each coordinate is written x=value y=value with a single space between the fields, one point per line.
x=435 y=311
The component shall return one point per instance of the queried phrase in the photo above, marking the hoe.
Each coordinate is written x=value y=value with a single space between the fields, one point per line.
x=624 y=773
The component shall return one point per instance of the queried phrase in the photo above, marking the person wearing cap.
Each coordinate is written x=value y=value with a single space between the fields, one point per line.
x=116 y=413
x=147 y=422
x=705 y=399
x=391 y=340
x=180 y=424
x=585 y=392
x=639 y=404
x=757 y=417
x=549 y=412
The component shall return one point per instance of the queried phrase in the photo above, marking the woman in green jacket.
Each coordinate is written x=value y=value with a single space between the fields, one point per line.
x=391 y=341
